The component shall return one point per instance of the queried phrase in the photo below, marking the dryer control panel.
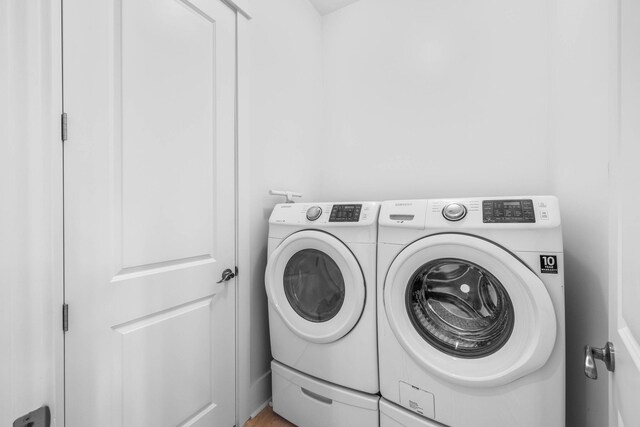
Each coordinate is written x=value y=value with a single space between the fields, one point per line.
x=318 y=215
x=345 y=213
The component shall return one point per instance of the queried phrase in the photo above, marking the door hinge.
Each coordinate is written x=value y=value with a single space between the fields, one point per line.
x=65 y=317
x=63 y=126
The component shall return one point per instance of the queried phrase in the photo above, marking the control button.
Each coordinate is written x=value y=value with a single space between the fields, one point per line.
x=454 y=211
x=314 y=213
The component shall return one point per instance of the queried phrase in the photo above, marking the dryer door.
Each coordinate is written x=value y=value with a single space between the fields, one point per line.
x=468 y=310
x=316 y=285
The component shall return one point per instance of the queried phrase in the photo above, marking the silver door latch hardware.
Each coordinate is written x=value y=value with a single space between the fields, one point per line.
x=607 y=354
x=227 y=275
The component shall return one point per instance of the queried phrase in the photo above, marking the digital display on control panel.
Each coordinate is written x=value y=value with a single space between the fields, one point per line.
x=508 y=211
x=345 y=213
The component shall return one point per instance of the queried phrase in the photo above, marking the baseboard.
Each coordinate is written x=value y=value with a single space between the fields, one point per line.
x=261 y=407
x=261 y=393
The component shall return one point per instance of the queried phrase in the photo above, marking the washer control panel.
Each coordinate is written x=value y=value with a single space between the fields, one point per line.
x=454 y=211
x=314 y=213
x=345 y=213
x=508 y=211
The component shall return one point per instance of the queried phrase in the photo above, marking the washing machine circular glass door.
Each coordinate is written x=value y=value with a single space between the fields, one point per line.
x=468 y=310
x=316 y=285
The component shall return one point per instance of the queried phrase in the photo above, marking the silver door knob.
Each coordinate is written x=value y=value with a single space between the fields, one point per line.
x=607 y=354
x=226 y=276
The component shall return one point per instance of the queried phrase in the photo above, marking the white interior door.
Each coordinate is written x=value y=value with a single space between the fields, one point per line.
x=149 y=89
x=624 y=317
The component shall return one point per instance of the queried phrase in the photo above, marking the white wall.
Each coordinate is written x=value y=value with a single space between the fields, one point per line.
x=285 y=109
x=584 y=91
x=30 y=207
x=428 y=98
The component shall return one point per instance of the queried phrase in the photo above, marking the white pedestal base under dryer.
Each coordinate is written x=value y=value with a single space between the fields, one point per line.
x=321 y=286
x=394 y=416
x=310 y=402
x=471 y=325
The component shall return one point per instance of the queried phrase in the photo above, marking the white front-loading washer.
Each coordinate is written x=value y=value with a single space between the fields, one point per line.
x=471 y=310
x=321 y=287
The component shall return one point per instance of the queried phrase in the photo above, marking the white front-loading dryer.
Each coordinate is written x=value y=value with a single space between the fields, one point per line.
x=471 y=310
x=321 y=287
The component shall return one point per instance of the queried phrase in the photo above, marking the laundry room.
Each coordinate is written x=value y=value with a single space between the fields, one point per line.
x=340 y=102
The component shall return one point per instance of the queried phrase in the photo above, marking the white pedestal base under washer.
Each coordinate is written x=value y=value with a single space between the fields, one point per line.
x=321 y=286
x=471 y=310
x=310 y=402
x=394 y=416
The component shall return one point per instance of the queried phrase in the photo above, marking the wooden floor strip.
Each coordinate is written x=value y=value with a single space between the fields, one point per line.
x=268 y=418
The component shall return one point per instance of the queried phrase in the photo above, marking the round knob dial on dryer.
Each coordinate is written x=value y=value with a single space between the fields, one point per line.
x=314 y=213
x=454 y=211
